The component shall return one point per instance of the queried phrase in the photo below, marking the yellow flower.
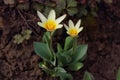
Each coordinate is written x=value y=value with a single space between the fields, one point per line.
x=72 y=29
x=50 y=23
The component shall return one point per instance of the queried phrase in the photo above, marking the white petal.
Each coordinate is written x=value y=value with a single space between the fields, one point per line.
x=66 y=27
x=80 y=29
x=40 y=24
x=41 y=16
x=78 y=24
x=71 y=24
x=59 y=26
x=52 y=15
x=58 y=20
x=68 y=32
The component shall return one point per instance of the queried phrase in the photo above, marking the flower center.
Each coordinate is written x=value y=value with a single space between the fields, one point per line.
x=50 y=25
x=73 y=32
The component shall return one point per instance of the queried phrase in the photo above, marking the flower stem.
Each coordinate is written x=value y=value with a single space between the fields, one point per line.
x=52 y=51
x=74 y=44
x=51 y=42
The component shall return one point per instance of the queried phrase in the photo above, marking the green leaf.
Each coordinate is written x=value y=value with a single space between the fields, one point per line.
x=65 y=76
x=88 y=76
x=60 y=72
x=118 y=75
x=72 y=11
x=43 y=51
x=59 y=48
x=63 y=58
x=80 y=52
x=46 y=37
x=75 y=66
x=71 y=3
x=68 y=43
x=59 y=69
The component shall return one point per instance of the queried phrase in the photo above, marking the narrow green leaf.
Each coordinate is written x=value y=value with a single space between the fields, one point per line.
x=68 y=43
x=59 y=48
x=75 y=66
x=88 y=76
x=118 y=75
x=46 y=37
x=42 y=50
x=80 y=52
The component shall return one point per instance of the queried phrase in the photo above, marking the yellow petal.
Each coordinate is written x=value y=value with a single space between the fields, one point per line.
x=58 y=20
x=41 y=16
x=52 y=15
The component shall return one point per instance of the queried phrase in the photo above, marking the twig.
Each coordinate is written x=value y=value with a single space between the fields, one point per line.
x=23 y=17
x=25 y=21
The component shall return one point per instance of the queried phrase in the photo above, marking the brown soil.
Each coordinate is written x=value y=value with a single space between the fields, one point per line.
x=19 y=62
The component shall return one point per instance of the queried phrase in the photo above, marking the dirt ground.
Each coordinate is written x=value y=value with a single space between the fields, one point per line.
x=19 y=62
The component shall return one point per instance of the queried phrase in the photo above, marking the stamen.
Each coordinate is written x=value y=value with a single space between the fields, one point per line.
x=50 y=25
x=73 y=32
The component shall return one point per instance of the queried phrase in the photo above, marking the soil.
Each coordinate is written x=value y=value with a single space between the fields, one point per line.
x=19 y=62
